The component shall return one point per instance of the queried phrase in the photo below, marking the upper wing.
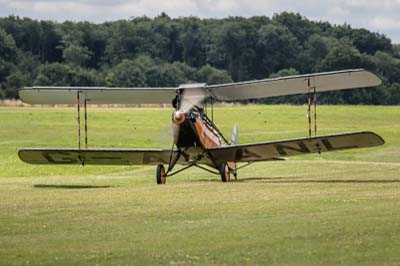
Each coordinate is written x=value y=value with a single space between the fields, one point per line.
x=329 y=81
x=96 y=95
x=96 y=156
x=272 y=150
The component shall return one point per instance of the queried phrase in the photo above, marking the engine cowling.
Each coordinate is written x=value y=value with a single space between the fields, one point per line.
x=178 y=117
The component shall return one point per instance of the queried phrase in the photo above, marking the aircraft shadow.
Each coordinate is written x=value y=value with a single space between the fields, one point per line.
x=69 y=186
x=283 y=180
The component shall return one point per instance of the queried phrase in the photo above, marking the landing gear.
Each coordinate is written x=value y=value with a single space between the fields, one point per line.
x=225 y=172
x=160 y=174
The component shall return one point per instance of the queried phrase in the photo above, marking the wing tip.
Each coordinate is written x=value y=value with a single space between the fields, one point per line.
x=21 y=155
x=376 y=80
x=378 y=139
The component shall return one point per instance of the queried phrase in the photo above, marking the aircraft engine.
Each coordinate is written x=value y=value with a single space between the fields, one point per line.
x=178 y=117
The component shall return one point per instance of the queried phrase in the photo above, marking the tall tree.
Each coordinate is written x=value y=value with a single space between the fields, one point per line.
x=162 y=51
x=232 y=48
x=344 y=56
x=193 y=44
x=277 y=48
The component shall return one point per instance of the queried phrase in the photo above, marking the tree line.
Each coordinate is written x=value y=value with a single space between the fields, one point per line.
x=163 y=51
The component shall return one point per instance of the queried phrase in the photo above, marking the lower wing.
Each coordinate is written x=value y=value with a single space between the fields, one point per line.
x=97 y=156
x=239 y=153
x=272 y=150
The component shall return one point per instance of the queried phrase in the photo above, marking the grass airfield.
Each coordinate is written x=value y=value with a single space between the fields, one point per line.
x=334 y=208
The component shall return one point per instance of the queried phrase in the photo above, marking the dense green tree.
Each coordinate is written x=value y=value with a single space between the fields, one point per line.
x=299 y=26
x=16 y=67
x=13 y=82
x=122 y=42
x=8 y=50
x=49 y=41
x=233 y=48
x=387 y=66
x=276 y=47
x=57 y=74
x=8 y=54
x=40 y=38
x=392 y=92
x=369 y=42
x=172 y=75
x=316 y=48
x=193 y=48
x=73 y=46
x=211 y=75
x=362 y=39
x=165 y=39
x=76 y=55
x=344 y=56
x=128 y=73
x=165 y=51
x=285 y=72
x=396 y=50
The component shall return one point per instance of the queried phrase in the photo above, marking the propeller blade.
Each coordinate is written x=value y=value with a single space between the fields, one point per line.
x=191 y=97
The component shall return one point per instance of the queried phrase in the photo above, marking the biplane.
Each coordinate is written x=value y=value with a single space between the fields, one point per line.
x=197 y=141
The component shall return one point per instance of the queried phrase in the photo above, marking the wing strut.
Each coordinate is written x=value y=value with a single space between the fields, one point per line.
x=86 y=128
x=78 y=100
x=314 y=102
x=315 y=111
x=79 y=119
x=309 y=107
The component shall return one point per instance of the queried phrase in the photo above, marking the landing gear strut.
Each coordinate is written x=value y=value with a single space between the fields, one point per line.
x=160 y=174
x=223 y=170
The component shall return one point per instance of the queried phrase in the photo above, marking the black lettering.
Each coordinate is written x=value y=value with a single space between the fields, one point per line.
x=65 y=159
x=283 y=149
x=238 y=155
x=246 y=154
x=327 y=144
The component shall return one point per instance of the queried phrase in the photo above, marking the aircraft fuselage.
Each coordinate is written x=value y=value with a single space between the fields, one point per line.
x=196 y=130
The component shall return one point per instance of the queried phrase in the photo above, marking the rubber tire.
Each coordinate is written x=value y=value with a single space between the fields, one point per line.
x=160 y=175
x=225 y=172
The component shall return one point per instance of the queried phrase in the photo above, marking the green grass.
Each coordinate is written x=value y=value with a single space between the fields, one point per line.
x=335 y=208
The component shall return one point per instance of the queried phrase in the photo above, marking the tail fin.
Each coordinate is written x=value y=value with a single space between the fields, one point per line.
x=234 y=135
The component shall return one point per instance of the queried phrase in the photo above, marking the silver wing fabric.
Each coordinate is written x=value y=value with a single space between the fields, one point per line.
x=284 y=148
x=265 y=151
x=328 y=81
x=96 y=95
x=96 y=156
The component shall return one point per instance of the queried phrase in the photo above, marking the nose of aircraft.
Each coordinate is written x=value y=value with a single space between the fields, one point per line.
x=178 y=117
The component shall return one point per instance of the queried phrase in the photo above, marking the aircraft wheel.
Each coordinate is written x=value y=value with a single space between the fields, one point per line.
x=160 y=174
x=225 y=172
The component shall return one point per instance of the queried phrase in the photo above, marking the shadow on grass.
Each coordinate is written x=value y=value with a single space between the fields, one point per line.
x=331 y=181
x=218 y=180
x=69 y=186
x=283 y=180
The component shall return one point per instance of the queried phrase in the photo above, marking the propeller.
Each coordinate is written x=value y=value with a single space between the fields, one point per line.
x=190 y=98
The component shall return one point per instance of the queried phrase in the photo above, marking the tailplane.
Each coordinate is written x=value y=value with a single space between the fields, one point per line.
x=234 y=135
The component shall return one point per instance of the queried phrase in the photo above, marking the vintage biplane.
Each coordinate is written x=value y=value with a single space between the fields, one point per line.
x=197 y=141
